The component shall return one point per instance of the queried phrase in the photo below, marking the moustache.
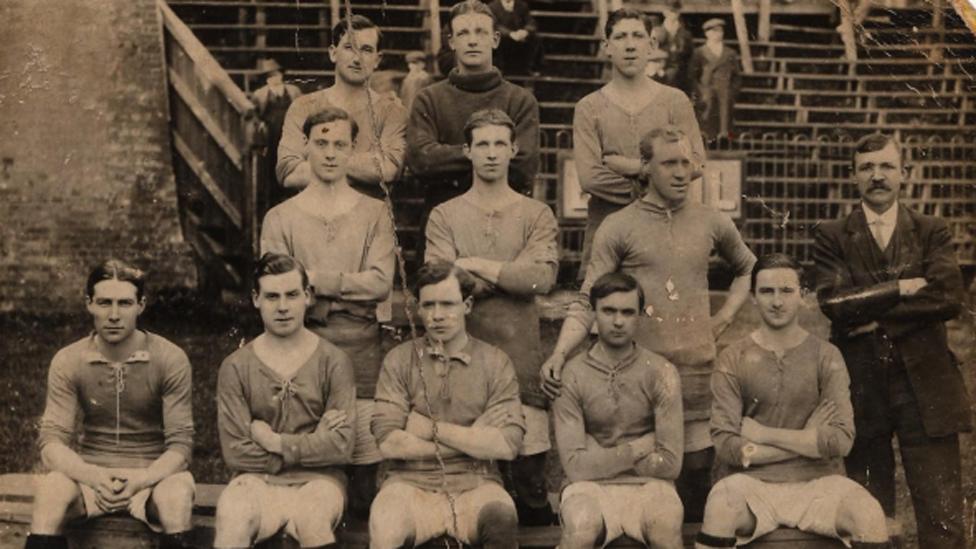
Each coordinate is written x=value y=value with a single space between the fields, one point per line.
x=879 y=185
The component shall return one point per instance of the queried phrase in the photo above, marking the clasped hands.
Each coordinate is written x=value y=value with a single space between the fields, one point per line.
x=115 y=488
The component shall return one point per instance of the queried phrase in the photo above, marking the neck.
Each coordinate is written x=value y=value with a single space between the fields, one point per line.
x=455 y=344
x=465 y=70
x=344 y=89
x=284 y=342
x=880 y=210
x=117 y=352
x=617 y=353
x=714 y=43
x=627 y=84
x=328 y=189
x=491 y=193
x=655 y=198
x=781 y=339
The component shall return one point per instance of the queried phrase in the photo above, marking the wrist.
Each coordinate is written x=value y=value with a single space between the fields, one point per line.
x=748 y=451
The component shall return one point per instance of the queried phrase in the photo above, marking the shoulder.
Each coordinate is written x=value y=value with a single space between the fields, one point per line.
x=492 y=359
x=925 y=222
x=575 y=366
x=732 y=356
x=826 y=351
x=590 y=100
x=622 y=219
x=238 y=360
x=331 y=356
x=449 y=207
x=283 y=210
x=69 y=356
x=535 y=208
x=165 y=351
x=656 y=366
x=318 y=98
x=389 y=104
x=832 y=227
x=372 y=205
x=517 y=93
x=441 y=87
x=401 y=356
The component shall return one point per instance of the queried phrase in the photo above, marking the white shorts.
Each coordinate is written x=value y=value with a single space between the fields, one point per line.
x=536 y=439
x=429 y=513
x=366 y=451
x=280 y=504
x=623 y=505
x=809 y=506
x=137 y=505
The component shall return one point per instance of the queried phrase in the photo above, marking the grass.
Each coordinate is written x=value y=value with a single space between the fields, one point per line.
x=28 y=343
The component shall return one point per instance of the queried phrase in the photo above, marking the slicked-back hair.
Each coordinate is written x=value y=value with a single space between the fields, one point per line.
x=466 y=7
x=275 y=264
x=359 y=22
x=875 y=142
x=488 y=117
x=116 y=269
x=436 y=272
x=612 y=283
x=617 y=16
x=330 y=114
x=668 y=134
x=775 y=261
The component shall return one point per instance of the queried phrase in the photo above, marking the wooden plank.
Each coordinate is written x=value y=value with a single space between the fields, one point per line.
x=202 y=114
x=207 y=180
x=203 y=60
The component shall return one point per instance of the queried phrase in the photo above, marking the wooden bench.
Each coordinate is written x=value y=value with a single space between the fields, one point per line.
x=119 y=532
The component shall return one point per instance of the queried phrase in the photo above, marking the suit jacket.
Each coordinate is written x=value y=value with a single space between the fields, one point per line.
x=857 y=284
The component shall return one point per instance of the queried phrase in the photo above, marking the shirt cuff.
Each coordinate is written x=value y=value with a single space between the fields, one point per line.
x=327 y=283
x=290 y=453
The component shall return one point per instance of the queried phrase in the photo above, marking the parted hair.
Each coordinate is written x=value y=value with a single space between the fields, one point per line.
x=615 y=282
x=874 y=142
x=668 y=134
x=775 y=261
x=488 y=117
x=359 y=22
x=470 y=6
x=116 y=269
x=330 y=114
x=619 y=15
x=435 y=272
x=275 y=264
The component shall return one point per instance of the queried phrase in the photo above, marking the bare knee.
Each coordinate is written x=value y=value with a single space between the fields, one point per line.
x=861 y=516
x=661 y=522
x=390 y=521
x=726 y=510
x=497 y=525
x=173 y=500
x=319 y=514
x=238 y=516
x=582 y=521
x=57 y=499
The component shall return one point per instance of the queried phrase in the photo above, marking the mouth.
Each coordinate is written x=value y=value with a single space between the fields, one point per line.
x=283 y=320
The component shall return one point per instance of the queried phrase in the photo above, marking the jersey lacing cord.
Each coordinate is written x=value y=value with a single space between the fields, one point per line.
x=118 y=369
x=401 y=268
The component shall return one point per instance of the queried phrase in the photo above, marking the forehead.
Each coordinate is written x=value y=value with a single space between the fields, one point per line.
x=668 y=150
x=491 y=132
x=364 y=37
x=336 y=129
x=447 y=289
x=283 y=282
x=628 y=25
x=887 y=154
x=114 y=289
x=471 y=20
x=777 y=277
x=620 y=300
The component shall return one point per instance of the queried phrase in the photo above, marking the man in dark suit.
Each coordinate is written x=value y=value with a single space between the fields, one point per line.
x=887 y=278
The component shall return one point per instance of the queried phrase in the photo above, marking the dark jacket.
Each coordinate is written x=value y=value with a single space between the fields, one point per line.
x=857 y=284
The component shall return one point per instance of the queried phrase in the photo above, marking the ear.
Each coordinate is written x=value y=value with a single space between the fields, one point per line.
x=332 y=54
x=254 y=299
x=515 y=148
x=468 y=304
x=142 y=305
x=379 y=57
x=466 y=150
x=496 y=39
x=308 y=296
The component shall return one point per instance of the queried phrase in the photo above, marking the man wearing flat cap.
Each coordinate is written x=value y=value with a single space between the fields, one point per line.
x=656 y=66
x=416 y=79
x=714 y=72
x=272 y=101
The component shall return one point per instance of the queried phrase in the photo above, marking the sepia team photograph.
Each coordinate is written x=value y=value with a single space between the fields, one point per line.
x=380 y=274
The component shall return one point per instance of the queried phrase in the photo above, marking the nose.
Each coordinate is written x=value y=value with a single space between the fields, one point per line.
x=777 y=300
x=114 y=312
x=281 y=305
x=618 y=319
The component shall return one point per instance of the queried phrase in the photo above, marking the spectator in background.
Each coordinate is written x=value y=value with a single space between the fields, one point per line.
x=656 y=66
x=272 y=101
x=608 y=123
x=714 y=71
x=520 y=49
x=379 y=151
x=416 y=79
x=679 y=44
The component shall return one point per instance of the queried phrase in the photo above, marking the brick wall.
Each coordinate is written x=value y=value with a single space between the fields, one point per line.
x=85 y=168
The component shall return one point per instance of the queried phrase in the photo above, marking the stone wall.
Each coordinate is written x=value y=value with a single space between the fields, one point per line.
x=85 y=154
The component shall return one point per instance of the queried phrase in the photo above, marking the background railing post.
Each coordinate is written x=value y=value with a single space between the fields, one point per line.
x=336 y=13
x=602 y=12
x=742 y=33
x=434 y=20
